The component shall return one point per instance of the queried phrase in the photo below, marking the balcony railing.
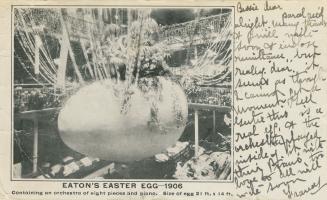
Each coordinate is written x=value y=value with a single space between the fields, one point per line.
x=79 y=27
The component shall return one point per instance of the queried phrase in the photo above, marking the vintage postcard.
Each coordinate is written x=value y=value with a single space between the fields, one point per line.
x=163 y=99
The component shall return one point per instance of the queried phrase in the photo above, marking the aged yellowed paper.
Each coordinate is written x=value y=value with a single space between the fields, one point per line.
x=163 y=99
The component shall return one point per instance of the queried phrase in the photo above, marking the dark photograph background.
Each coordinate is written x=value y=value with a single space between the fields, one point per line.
x=61 y=53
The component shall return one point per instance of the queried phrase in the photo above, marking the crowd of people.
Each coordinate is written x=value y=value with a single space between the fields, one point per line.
x=223 y=100
x=204 y=96
x=35 y=99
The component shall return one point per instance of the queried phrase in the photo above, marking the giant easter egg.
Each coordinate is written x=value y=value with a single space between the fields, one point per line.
x=108 y=121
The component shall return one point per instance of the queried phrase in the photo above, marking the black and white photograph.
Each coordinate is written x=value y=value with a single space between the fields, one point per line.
x=122 y=93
